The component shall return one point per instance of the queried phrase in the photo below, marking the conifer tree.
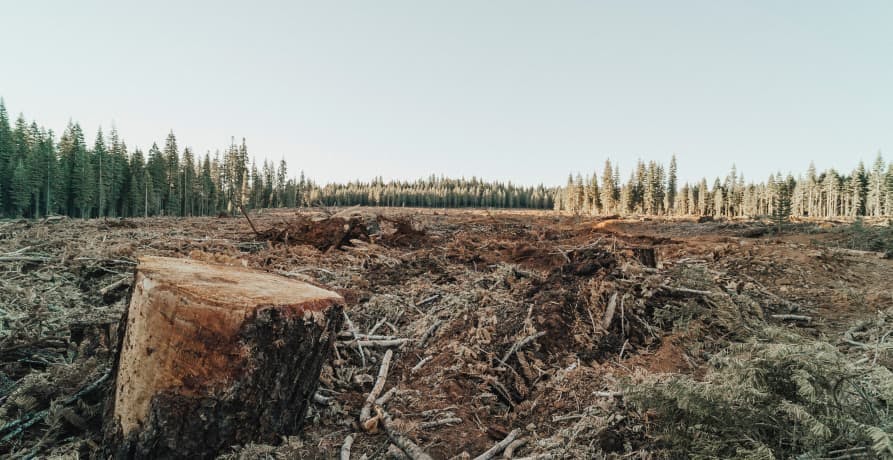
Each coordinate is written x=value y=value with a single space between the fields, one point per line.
x=860 y=190
x=138 y=190
x=875 y=185
x=98 y=155
x=21 y=197
x=119 y=175
x=670 y=203
x=888 y=196
x=608 y=189
x=156 y=181
x=5 y=157
x=188 y=175
x=171 y=197
x=703 y=197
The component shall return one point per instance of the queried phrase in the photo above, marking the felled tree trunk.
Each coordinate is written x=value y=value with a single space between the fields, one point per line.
x=214 y=356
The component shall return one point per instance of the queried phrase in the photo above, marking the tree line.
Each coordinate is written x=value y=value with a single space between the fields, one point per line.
x=652 y=189
x=438 y=192
x=43 y=175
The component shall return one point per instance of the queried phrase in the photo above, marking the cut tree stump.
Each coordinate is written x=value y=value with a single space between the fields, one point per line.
x=647 y=256
x=214 y=356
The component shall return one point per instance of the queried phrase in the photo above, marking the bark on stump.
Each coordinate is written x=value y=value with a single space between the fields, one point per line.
x=214 y=356
x=647 y=256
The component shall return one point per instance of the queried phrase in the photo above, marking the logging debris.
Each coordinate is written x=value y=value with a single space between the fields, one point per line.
x=459 y=294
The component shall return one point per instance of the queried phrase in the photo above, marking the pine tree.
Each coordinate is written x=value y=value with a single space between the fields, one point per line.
x=718 y=199
x=703 y=197
x=648 y=186
x=888 y=196
x=208 y=188
x=281 y=184
x=692 y=200
x=76 y=172
x=119 y=176
x=608 y=192
x=594 y=195
x=171 y=197
x=138 y=191
x=21 y=197
x=860 y=190
x=156 y=181
x=99 y=154
x=187 y=192
x=5 y=158
x=876 y=184
x=52 y=175
x=670 y=203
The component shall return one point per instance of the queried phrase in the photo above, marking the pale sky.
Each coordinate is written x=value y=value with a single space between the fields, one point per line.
x=511 y=90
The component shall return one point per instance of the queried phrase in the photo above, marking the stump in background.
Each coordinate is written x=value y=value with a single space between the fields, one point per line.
x=647 y=256
x=214 y=356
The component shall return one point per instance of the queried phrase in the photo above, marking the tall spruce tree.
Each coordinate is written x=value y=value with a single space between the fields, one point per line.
x=670 y=202
x=172 y=176
x=5 y=158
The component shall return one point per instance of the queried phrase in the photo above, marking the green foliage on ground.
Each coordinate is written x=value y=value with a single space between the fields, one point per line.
x=779 y=395
x=868 y=237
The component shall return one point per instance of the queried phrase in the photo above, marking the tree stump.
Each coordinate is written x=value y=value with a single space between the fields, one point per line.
x=647 y=256
x=213 y=356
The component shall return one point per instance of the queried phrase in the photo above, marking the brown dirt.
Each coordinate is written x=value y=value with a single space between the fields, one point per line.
x=486 y=280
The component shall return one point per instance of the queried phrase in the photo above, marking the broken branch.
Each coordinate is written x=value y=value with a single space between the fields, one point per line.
x=365 y=412
x=498 y=447
x=521 y=344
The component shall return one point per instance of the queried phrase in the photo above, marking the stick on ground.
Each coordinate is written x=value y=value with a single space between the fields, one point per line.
x=498 y=447
x=366 y=411
x=400 y=440
x=345 y=448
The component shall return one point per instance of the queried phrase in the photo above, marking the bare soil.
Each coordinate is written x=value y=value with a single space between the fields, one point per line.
x=601 y=301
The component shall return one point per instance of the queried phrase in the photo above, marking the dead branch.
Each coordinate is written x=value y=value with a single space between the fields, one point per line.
x=609 y=312
x=521 y=344
x=608 y=394
x=805 y=319
x=430 y=333
x=386 y=397
x=29 y=420
x=686 y=290
x=510 y=450
x=253 y=228
x=115 y=285
x=400 y=440
x=345 y=212
x=348 y=335
x=365 y=412
x=375 y=343
x=355 y=331
x=345 y=448
x=24 y=258
x=498 y=447
x=428 y=300
x=421 y=363
x=437 y=423
x=377 y=325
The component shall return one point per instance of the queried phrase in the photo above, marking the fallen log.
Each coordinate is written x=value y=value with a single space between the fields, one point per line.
x=214 y=356
x=802 y=318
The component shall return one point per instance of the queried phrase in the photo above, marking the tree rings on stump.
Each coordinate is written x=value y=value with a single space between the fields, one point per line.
x=213 y=356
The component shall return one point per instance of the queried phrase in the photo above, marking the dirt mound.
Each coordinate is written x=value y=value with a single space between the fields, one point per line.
x=400 y=232
x=326 y=234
